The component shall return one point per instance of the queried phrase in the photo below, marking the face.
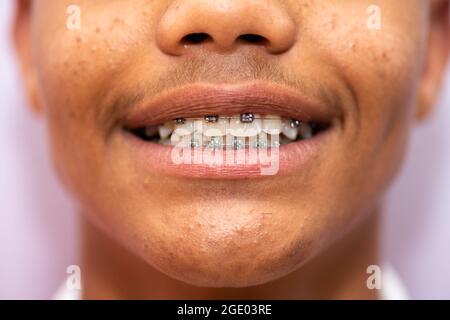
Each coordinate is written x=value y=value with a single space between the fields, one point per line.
x=347 y=92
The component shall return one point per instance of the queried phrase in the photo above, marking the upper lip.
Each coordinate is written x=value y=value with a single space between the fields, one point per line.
x=199 y=100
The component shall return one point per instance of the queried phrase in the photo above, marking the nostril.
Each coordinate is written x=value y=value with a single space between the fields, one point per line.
x=196 y=38
x=253 y=39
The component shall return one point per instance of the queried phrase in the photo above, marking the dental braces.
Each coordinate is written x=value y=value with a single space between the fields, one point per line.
x=197 y=132
x=238 y=144
x=247 y=117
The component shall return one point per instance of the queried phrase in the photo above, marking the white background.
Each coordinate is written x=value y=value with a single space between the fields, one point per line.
x=38 y=227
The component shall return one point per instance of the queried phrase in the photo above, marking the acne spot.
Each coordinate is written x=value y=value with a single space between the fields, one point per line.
x=116 y=21
x=79 y=40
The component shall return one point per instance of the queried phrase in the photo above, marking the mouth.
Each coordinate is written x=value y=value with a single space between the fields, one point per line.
x=280 y=127
x=247 y=130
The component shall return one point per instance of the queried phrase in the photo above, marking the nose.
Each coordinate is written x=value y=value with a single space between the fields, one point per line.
x=224 y=25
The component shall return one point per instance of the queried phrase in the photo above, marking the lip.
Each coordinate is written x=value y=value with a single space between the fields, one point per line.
x=196 y=101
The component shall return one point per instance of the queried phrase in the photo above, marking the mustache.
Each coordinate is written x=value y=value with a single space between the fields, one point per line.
x=231 y=69
x=227 y=69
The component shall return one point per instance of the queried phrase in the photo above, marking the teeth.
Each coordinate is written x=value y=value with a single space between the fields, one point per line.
x=284 y=140
x=165 y=142
x=239 y=131
x=199 y=126
x=275 y=141
x=217 y=128
x=239 y=143
x=196 y=141
x=229 y=140
x=184 y=129
x=262 y=140
x=289 y=131
x=175 y=138
x=306 y=131
x=165 y=130
x=246 y=129
x=215 y=143
x=272 y=125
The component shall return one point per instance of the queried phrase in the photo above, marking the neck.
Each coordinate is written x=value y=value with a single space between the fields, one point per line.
x=113 y=272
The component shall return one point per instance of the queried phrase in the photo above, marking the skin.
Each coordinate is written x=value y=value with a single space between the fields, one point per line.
x=147 y=235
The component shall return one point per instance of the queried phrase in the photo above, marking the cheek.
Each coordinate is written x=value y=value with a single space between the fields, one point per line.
x=76 y=70
x=381 y=71
x=377 y=64
x=384 y=76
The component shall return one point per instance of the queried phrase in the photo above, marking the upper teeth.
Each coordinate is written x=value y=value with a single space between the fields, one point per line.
x=217 y=128
x=272 y=125
x=288 y=130
x=214 y=131
x=165 y=130
x=247 y=128
x=188 y=127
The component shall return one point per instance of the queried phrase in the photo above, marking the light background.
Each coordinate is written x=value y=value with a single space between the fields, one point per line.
x=38 y=227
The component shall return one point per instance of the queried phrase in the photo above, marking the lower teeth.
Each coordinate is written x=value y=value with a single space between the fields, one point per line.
x=215 y=143
x=237 y=132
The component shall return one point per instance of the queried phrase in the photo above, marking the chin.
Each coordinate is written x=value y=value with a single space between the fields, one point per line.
x=238 y=252
x=211 y=269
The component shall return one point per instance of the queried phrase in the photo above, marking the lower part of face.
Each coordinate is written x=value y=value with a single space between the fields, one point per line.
x=228 y=232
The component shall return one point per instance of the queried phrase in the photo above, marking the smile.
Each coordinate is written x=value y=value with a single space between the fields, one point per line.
x=230 y=121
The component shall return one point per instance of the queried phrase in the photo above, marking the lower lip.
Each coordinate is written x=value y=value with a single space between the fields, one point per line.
x=289 y=158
